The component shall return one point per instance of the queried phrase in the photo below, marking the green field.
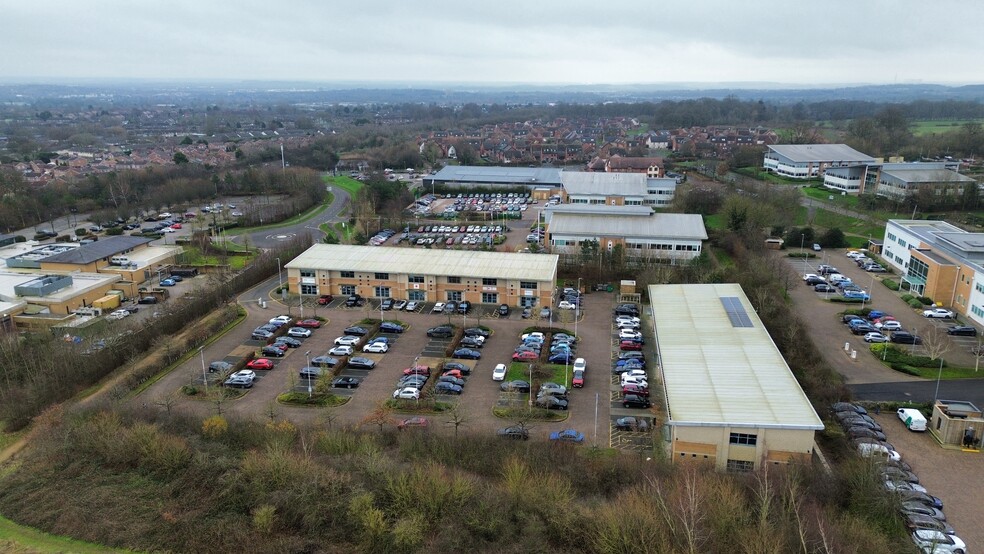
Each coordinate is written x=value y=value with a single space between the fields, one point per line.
x=938 y=126
x=855 y=229
x=347 y=184
x=16 y=538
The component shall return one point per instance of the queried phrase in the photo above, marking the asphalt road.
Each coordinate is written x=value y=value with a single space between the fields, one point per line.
x=922 y=391
x=271 y=238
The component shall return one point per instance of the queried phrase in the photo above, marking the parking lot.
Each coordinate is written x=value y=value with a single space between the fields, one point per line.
x=480 y=395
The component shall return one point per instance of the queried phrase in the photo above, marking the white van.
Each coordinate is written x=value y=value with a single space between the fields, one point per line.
x=119 y=260
x=912 y=418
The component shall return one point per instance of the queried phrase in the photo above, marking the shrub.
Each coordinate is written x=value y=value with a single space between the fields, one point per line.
x=846 y=300
x=190 y=390
x=81 y=232
x=895 y=355
x=215 y=426
x=926 y=301
x=907 y=297
x=904 y=369
x=890 y=284
x=20 y=238
x=263 y=518
x=914 y=303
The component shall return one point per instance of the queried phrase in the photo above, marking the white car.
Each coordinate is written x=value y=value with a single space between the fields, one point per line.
x=633 y=380
x=808 y=276
x=579 y=364
x=118 y=314
x=869 y=450
x=636 y=373
x=890 y=325
x=854 y=254
x=376 y=348
x=499 y=373
x=410 y=393
x=940 y=313
x=341 y=351
x=347 y=340
x=565 y=305
x=629 y=334
x=904 y=486
x=299 y=332
x=535 y=335
x=439 y=307
x=281 y=320
x=631 y=325
x=932 y=541
x=627 y=319
x=413 y=305
x=875 y=337
x=168 y=230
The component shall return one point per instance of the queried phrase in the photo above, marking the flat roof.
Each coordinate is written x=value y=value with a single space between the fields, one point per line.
x=599 y=209
x=927 y=175
x=81 y=283
x=98 y=250
x=657 y=225
x=604 y=184
x=820 y=153
x=424 y=261
x=719 y=373
x=498 y=175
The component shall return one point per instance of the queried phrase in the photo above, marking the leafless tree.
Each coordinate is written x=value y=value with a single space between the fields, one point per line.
x=936 y=341
x=167 y=401
x=457 y=418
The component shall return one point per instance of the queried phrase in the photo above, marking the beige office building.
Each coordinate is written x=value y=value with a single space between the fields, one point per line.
x=731 y=400
x=424 y=275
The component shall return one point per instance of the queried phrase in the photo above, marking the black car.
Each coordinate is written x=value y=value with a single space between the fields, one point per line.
x=440 y=332
x=359 y=362
x=863 y=329
x=905 y=337
x=631 y=424
x=824 y=288
x=467 y=354
x=451 y=379
x=551 y=402
x=473 y=331
x=464 y=369
x=220 y=367
x=515 y=386
x=272 y=350
x=503 y=309
x=312 y=372
x=628 y=355
x=354 y=300
x=635 y=401
x=443 y=387
x=386 y=304
x=814 y=281
x=390 y=327
x=289 y=341
x=516 y=432
x=328 y=361
x=627 y=309
x=848 y=318
x=847 y=407
x=147 y=300
x=345 y=383
x=356 y=330
x=857 y=432
x=962 y=331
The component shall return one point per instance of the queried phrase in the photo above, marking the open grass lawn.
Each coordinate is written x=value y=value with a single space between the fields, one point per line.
x=855 y=229
x=824 y=195
x=938 y=126
x=347 y=184
x=715 y=221
x=553 y=373
x=300 y=218
x=194 y=256
x=17 y=538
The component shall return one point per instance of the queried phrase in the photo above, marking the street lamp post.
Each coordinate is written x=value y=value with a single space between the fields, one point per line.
x=577 y=308
x=531 y=385
x=308 y=356
x=939 y=374
x=201 y=352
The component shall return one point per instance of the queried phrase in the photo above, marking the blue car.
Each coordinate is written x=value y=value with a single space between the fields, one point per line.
x=390 y=327
x=467 y=353
x=562 y=357
x=567 y=435
x=856 y=294
x=168 y=283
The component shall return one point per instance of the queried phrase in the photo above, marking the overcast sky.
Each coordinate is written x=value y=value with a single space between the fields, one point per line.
x=496 y=41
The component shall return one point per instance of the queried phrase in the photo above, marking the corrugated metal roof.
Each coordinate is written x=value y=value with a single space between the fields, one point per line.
x=717 y=374
x=658 y=225
x=821 y=153
x=98 y=250
x=500 y=175
x=423 y=261
x=927 y=175
x=599 y=209
x=607 y=184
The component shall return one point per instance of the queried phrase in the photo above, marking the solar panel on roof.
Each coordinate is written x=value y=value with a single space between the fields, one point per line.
x=736 y=312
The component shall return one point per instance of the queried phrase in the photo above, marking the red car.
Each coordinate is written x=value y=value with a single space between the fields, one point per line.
x=629 y=345
x=525 y=356
x=637 y=390
x=453 y=373
x=309 y=323
x=283 y=346
x=412 y=422
x=577 y=381
x=417 y=370
x=260 y=363
x=325 y=299
x=176 y=226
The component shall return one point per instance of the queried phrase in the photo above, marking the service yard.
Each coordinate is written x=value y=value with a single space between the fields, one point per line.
x=597 y=343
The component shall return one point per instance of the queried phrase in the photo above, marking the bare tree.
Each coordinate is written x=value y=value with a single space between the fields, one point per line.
x=936 y=341
x=457 y=418
x=379 y=416
x=167 y=401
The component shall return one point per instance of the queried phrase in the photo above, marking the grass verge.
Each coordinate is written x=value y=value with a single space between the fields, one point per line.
x=300 y=218
x=319 y=400
x=347 y=184
x=17 y=538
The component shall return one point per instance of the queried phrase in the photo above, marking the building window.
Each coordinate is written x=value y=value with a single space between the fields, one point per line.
x=527 y=284
x=743 y=439
x=416 y=295
x=347 y=274
x=490 y=282
x=381 y=276
x=490 y=298
x=740 y=465
x=382 y=292
x=415 y=279
x=309 y=289
x=454 y=280
x=307 y=273
x=454 y=296
x=348 y=290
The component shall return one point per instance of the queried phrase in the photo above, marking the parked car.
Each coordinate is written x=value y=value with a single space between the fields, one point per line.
x=312 y=372
x=633 y=401
x=856 y=432
x=503 y=310
x=451 y=379
x=932 y=541
x=919 y=521
x=309 y=323
x=299 y=332
x=551 y=402
x=629 y=345
x=477 y=331
x=169 y=283
x=635 y=389
x=577 y=378
x=407 y=393
x=875 y=336
x=823 y=287
x=342 y=350
x=561 y=357
x=220 y=367
x=888 y=325
x=327 y=361
x=515 y=386
x=567 y=435
x=281 y=320
x=356 y=331
x=241 y=379
x=399 y=304
x=516 y=432
x=938 y=313
x=358 y=362
x=271 y=350
x=290 y=342
x=376 y=348
x=962 y=331
x=438 y=307
x=386 y=304
x=472 y=342
x=457 y=366
x=413 y=422
x=325 y=299
x=259 y=363
x=467 y=354
x=443 y=387
x=923 y=509
x=354 y=301
x=390 y=327
x=905 y=337
x=412 y=306
x=347 y=340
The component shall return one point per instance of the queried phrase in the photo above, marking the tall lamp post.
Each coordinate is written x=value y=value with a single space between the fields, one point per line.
x=531 y=385
x=201 y=352
x=308 y=356
x=577 y=308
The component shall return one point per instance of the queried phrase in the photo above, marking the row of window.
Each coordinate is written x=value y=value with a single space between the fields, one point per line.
x=746 y=439
x=420 y=279
x=977 y=311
